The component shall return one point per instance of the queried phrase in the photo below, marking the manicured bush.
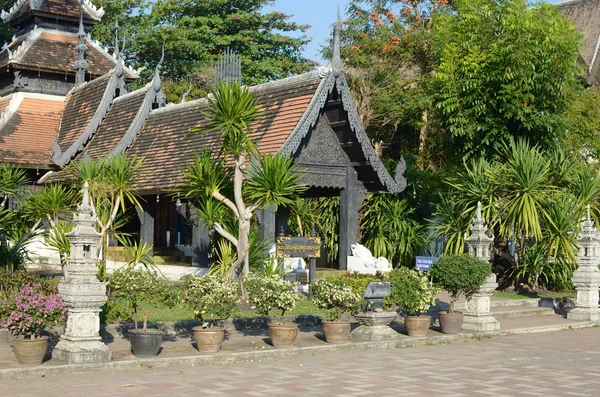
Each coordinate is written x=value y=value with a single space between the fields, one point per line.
x=412 y=291
x=335 y=297
x=267 y=294
x=459 y=274
x=358 y=282
x=210 y=296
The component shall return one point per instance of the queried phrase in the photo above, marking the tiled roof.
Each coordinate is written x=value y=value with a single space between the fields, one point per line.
x=115 y=125
x=81 y=105
x=26 y=134
x=585 y=14
x=166 y=146
x=54 y=51
x=63 y=8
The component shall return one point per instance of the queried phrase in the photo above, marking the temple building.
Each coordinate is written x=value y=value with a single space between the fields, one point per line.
x=64 y=98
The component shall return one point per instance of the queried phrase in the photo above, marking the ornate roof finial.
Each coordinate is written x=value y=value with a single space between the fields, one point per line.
x=86 y=194
x=185 y=94
x=479 y=211
x=80 y=64
x=336 y=58
x=228 y=67
x=156 y=82
x=589 y=218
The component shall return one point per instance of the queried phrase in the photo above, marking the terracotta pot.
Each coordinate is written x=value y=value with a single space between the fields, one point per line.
x=283 y=335
x=336 y=331
x=417 y=325
x=451 y=323
x=30 y=351
x=145 y=343
x=208 y=340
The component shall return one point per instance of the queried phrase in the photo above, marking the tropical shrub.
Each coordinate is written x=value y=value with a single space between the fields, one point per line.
x=12 y=282
x=135 y=286
x=267 y=294
x=459 y=274
x=210 y=296
x=30 y=312
x=412 y=291
x=335 y=297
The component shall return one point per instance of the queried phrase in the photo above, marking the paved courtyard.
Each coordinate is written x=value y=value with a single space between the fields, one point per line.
x=563 y=363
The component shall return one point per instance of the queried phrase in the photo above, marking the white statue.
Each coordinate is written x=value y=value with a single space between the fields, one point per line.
x=363 y=261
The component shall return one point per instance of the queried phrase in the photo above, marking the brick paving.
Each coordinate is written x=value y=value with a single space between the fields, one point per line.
x=563 y=363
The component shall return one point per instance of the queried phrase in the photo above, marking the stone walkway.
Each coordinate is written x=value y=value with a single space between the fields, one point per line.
x=564 y=363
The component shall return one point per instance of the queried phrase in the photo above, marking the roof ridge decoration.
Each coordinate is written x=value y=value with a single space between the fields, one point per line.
x=7 y=15
x=18 y=54
x=80 y=64
x=61 y=158
x=154 y=95
x=333 y=77
x=11 y=109
x=96 y=13
x=91 y=9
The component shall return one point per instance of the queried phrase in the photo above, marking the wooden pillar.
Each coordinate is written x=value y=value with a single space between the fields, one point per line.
x=266 y=219
x=283 y=215
x=147 y=214
x=348 y=217
x=200 y=241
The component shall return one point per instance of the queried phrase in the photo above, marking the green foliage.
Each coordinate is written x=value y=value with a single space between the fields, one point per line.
x=136 y=285
x=358 y=282
x=536 y=270
x=12 y=181
x=459 y=274
x=274 y=180
x=12 y=282
x=225 y=258
x=115 y=311
x=506 y=69
x=210 y=296
x=267 y=294
x=140 y=254
x=412 y=291
x=389 y=230
x=335 y=297
x=15 y=236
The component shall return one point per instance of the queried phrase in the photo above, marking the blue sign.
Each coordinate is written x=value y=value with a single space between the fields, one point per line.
x=425 y=262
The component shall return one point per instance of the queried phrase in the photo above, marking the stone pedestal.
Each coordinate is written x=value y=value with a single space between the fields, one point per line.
x=374 y=327
x=586 y=277
x=477 y=316
x=84 y=294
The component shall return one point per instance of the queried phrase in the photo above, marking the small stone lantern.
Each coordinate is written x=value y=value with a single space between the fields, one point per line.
x=84 y=294
x=478 y=316
x=586 y=277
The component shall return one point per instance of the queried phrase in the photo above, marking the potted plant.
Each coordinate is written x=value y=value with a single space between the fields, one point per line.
x=135 y=286
x=413 y=292
x=458 y=274
x=338 y=299
x=209 y=296
x=29 y=313
x=267 y=294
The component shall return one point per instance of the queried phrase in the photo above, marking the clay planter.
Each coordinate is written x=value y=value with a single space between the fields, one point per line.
x=451 y=323
x=283 y=335
x=30 y=351
x=208 y=340
x=336 y=331
x=145 y=343
x=417 y=325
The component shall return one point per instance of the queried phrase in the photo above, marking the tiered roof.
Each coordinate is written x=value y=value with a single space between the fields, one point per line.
x=68 y=9
x=28 y=126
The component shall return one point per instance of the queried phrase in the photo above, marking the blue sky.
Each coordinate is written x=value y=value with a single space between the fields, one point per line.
x=320 y=14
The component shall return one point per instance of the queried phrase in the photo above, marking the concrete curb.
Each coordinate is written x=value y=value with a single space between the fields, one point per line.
x=259 y=355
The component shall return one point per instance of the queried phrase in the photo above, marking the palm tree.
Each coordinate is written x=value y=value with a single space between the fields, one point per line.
x=12 y=181
x=270 y=180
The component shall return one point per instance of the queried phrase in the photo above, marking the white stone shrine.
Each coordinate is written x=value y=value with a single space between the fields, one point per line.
x=478 y=316
x=84 y=294
x=586 y=277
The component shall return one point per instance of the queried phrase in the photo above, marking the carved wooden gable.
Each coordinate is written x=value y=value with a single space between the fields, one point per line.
x=323 y=147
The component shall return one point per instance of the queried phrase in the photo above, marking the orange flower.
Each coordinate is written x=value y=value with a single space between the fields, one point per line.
x=395 y=40
x=379 y=24
x=386 y=48
x=373 y=17
x=407 y=10
x=357 y=12
x=443 y=1
x=391 y=15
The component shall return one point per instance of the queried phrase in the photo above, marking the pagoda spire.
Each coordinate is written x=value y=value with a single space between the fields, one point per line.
x=336 y=59
x=80 y=64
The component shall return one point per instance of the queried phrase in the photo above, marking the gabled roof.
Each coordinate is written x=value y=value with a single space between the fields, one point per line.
x=585 y=14
x=68 y=9
x=51 y=50
x=167 y=147
x=28 y=126
x=85 y=109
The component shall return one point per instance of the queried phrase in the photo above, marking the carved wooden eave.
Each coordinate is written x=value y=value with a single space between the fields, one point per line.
x=335 y=80
x=154 y=99
x=61 y=158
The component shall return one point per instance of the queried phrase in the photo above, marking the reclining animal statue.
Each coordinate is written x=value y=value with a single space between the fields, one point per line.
x=363 y=261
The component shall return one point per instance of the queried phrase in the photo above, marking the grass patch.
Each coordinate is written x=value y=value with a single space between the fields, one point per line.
x=511 y=295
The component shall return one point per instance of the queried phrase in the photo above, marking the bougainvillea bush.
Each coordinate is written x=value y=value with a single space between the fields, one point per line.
x=30 y=312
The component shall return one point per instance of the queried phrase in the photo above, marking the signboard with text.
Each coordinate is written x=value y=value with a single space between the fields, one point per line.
x=425 y=262
x=302 y=247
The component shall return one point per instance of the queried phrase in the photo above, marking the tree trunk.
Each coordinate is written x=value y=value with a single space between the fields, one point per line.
x=423 y=139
